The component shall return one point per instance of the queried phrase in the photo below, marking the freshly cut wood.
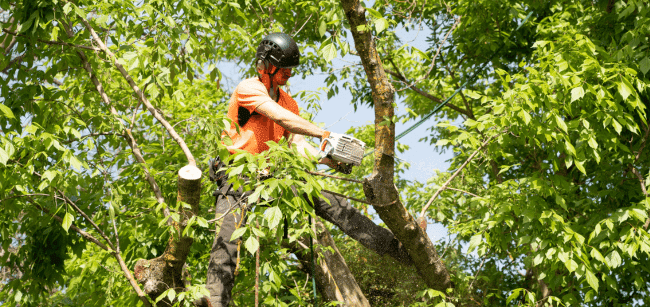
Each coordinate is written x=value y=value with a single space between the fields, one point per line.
x=166 y=271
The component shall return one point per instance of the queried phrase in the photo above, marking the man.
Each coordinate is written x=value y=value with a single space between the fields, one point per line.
x=267 y=113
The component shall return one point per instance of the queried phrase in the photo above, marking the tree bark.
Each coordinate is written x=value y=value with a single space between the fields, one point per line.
x=379 y=187
x=165 y=271
x=334 y=280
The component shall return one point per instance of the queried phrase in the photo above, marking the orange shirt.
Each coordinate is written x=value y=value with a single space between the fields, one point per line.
x=259 y=129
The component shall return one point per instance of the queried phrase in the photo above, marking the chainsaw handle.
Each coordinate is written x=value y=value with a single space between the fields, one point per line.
x=323 y=141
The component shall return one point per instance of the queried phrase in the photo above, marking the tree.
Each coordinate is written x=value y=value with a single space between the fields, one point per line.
x=545 y=101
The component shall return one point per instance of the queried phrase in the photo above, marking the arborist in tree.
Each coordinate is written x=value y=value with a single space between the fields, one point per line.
x=264 y=113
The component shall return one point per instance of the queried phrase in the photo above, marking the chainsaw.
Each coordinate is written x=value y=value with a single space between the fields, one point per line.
x=344 y=149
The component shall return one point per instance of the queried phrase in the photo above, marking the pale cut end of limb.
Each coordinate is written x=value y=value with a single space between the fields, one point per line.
x=190 y=172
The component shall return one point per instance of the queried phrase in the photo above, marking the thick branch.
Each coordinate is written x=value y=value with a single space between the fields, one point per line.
x=444 y=186
x=379 y=188
x=143 y=99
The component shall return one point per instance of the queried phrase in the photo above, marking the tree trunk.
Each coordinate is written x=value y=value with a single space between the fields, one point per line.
x=379 y=187
x=334 y=280
x=165 y=271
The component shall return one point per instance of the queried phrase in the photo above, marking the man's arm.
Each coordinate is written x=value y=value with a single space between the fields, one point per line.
x=292 y=122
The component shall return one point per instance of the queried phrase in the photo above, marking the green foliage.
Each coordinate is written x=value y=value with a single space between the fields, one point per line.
x=553 y=202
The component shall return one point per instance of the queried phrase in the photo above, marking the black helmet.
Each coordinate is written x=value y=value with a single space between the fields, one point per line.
x=280 y=49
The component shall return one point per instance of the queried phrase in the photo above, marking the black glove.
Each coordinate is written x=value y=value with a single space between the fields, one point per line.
x=343 y=168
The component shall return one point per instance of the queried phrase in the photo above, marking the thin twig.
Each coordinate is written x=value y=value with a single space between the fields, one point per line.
x=444 y=186
x=477 y=272
x=433 y=61
x=303 y=25
x=53 y=42
x=348 y=197
x=463 y=191
x=335 y=177
x=84 y=234
x=424 y=93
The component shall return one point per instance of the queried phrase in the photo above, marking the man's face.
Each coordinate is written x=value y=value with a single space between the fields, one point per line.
x=281 y=76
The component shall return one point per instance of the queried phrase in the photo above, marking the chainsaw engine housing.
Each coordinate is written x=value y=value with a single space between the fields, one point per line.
x=344 y=148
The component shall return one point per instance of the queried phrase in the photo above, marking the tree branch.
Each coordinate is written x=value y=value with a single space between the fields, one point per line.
x=444 y=186
x=140 y=94
x=13 y=61
x=84 y=234
x=53 y=42
x=129 y=137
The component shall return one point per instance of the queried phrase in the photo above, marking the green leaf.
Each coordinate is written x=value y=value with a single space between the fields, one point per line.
x=644 y=65
x=577 y=93
x=570 y=148
x=322 y=27
x=237 y=233
x=560 y=123
x=597 y=255
x=592 y=143
x=328 y=52
x=202 y=222
x=67 y=8
x=514 y=295
x=624 y=90
x=613 y=260
x=273 y=216
x=474 y=242
x=592 y=280
x=79 y=12
x=75 y=163
x=171 y=294
x=442 y=142
x=530 y=297
x=380 y=25
x=67 y=221
x=423 y=54
x=4 y=156
x=525 y=116
x=251 y=245
x=538 y=259
x=580 y=166
x=18 y=296
x=571 y=265
x=617 y=126
x=560 y=201
x=373 y=12
x=6 y=111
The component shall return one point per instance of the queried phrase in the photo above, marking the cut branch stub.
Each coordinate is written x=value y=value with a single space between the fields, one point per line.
x=165 y=271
